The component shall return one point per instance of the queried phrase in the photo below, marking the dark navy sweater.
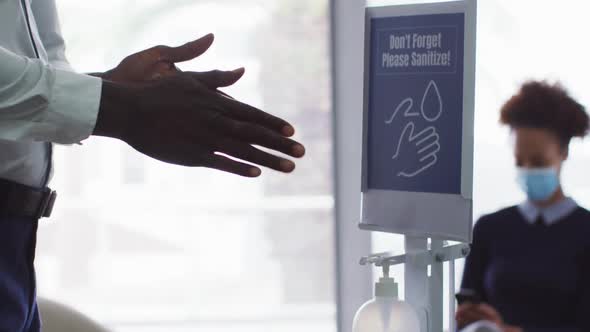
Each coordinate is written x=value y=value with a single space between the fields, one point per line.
x=537 y=277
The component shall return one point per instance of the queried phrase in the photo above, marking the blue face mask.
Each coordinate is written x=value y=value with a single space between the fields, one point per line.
x=538 y=183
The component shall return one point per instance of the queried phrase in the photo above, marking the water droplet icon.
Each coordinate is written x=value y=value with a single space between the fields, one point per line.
x=432 y=105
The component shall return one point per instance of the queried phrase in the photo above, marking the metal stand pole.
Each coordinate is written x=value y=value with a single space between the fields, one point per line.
x=436 y=289
x=416 y=280
x=452 y=296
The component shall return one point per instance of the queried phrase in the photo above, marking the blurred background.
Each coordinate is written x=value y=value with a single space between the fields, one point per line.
x=143 y=246
x=517 y=41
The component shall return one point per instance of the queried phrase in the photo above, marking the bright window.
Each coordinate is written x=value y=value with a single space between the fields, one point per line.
x=144 y=246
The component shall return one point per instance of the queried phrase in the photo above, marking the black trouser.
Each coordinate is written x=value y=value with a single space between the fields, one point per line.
x=18 y=304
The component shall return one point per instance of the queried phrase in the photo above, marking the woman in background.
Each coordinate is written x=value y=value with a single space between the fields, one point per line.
x=530 y=264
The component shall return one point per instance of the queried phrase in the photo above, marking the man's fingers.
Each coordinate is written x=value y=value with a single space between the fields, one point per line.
x=218 y=79
x=253 y=155
x=251 y=114
x=225 y=164
x=185 y=52
x=224 y=94
x=162 y=70
x=258 y=135
x=187 y=153
x=269 y=139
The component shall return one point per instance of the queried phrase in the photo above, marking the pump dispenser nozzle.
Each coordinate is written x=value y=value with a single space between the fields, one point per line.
x=386 y=286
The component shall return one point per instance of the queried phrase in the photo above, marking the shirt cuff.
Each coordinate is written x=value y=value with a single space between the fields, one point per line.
x=74 y=105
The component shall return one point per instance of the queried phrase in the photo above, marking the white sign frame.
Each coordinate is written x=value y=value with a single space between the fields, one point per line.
x=420 y=214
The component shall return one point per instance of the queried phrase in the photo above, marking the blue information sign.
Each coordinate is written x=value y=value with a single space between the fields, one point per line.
x=414 y=128
x=419 y=84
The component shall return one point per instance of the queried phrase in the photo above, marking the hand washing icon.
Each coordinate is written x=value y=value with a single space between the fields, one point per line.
x=422 y=145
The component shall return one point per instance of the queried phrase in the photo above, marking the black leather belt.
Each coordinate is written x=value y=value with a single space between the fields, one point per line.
x=17 y=200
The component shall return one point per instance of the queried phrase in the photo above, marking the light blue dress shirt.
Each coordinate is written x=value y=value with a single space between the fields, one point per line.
x=551 y=214
x=42 y=101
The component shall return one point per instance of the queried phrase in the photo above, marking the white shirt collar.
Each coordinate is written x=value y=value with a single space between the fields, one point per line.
x=551 y=214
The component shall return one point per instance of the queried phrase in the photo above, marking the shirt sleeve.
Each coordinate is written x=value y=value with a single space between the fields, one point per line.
x=45 y=13
x=40 y=102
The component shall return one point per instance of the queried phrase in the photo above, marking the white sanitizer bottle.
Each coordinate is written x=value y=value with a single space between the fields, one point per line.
x=386 y=313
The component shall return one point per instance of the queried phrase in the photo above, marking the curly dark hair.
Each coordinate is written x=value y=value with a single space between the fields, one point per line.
x=542 y=105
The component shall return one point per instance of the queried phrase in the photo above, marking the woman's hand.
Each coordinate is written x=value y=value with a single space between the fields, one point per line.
x=469 y=313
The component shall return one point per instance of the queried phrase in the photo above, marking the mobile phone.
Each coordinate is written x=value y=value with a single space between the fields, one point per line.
x=468 y=296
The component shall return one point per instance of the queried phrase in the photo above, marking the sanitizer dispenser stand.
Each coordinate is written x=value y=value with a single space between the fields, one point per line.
x=418 y=139
x=424 y=291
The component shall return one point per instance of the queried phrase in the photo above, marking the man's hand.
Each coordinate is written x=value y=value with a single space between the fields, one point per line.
x=181 y=118
x=160 y=62
x=157 y=62
x=469 y=313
